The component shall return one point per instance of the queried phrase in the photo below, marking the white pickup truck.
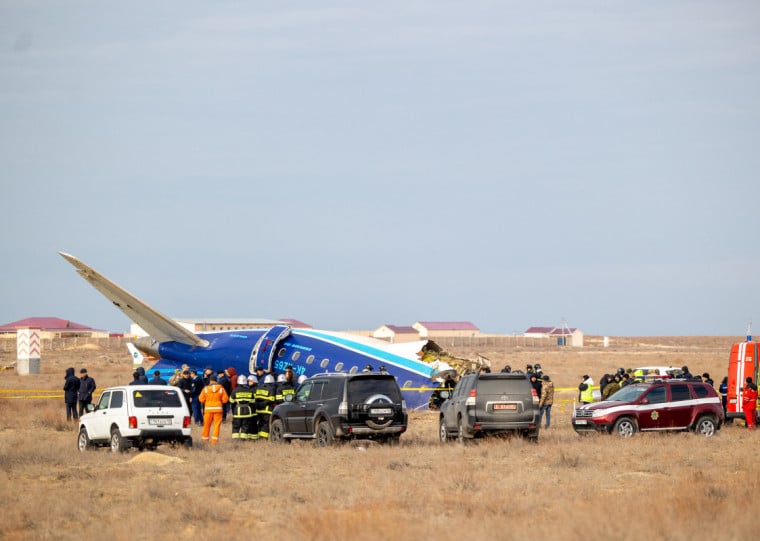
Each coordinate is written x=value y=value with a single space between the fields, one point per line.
x=141 y=416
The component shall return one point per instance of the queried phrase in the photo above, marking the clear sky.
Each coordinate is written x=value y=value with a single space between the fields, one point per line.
x=353 y=164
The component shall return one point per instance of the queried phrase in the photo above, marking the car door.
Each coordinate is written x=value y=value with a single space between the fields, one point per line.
x=679 y=407
x=651 y=408
x=295 y=410
x=312 y=404
x=97 y=426
x=456 y=402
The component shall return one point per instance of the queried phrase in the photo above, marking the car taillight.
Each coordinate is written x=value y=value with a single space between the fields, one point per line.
x=185 y=421
x=133 y=422
x=535 y=396
x=343 y=408
x=471 y=400
x=403 y=406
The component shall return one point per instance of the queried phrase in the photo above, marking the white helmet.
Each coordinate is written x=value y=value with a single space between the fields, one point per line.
x=302 y=378
x=269 y=379
x=241 y=379
x=281 y=378
x=253 y=379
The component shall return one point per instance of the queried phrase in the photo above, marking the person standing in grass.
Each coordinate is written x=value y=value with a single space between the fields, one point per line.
x=70 y=392
x=749 y=403
x=586 y=390
x=86 y=388
x=546 y=400
x=213 y=397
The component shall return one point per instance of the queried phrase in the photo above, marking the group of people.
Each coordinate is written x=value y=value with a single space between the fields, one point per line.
x=251 y=400
x=609 y=384
x=77 y=391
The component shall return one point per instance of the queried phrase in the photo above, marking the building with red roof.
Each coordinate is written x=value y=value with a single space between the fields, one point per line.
x=51 y=327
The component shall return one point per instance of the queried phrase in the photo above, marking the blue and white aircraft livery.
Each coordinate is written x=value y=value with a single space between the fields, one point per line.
x=308 y=351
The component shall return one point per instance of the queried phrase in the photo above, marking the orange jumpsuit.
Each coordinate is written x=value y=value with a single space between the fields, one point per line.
x=213 y=397
x=749 y=401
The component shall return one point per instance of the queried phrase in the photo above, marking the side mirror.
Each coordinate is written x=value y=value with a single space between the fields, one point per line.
x=644 y=401
x=445 y=394
x=90 y=408
x=289 y=397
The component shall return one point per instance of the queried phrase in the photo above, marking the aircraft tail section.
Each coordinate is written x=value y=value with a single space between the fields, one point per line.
x=137 y=357
x=160 y=327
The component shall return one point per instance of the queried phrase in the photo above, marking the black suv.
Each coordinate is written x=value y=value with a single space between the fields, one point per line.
x=483 y=404
x=333 y=406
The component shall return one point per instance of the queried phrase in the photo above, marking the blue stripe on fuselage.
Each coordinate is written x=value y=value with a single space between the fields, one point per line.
x=418 y=367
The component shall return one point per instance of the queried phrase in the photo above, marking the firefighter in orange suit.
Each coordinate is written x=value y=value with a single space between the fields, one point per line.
x=213 y=397
x=749 y=403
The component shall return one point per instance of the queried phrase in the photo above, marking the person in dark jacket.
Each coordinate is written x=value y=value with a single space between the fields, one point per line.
x=70 y=394
x=143 y=378
x=136 y=378
x=198 y=385
x=186 y=386
x=723 y=389
x=536 y=383
x=86 y=388
x=157 y=379
x=224 y=381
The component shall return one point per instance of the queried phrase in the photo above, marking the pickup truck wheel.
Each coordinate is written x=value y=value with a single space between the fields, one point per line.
x=443 y=433
x=277 y=432
x=624 y=427
x=705 y=426
x=325 y=436
x=118 y=444
x=83 y=441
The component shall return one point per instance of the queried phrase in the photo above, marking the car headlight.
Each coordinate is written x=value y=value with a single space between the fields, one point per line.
x=598 y=413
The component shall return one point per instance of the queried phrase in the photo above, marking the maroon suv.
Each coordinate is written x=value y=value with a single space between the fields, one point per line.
x=658 y=405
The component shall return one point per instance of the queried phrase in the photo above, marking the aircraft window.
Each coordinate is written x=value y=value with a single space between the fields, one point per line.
x=281 y=353
x=354 y=370
x=310 y=359
x=324 y=363
x=407 y=383
x=339 y=367
x=296 y=355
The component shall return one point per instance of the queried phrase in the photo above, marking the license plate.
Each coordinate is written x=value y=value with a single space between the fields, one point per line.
x=381 y=411
x=159 y=422
x=581 y=422
x=503 y=407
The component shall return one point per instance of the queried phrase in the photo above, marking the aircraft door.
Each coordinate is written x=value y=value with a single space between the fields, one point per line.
x=266 y=347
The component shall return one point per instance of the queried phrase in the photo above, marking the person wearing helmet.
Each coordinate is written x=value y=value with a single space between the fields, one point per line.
x=265 y=396
x=302 y=378
x=253 y=422
x=367 y=369
x=243 y=409
x=285 y=387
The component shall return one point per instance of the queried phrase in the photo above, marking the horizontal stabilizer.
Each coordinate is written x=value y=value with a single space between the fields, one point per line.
x=160 y=327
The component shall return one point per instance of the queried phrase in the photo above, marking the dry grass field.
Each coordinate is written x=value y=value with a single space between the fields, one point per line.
x=652 y=486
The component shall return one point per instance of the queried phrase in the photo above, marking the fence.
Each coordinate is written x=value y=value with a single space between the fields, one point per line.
x=8 y=345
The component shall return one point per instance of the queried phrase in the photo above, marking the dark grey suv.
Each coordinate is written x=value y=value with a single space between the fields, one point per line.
x=333 y=406
x=483 y=404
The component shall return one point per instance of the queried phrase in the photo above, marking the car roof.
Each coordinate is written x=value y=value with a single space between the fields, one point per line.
x=142 y=387
x=352 y=376
x=503 y=375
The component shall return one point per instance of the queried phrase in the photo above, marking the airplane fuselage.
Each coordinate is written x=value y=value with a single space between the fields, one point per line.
x=308 y=351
